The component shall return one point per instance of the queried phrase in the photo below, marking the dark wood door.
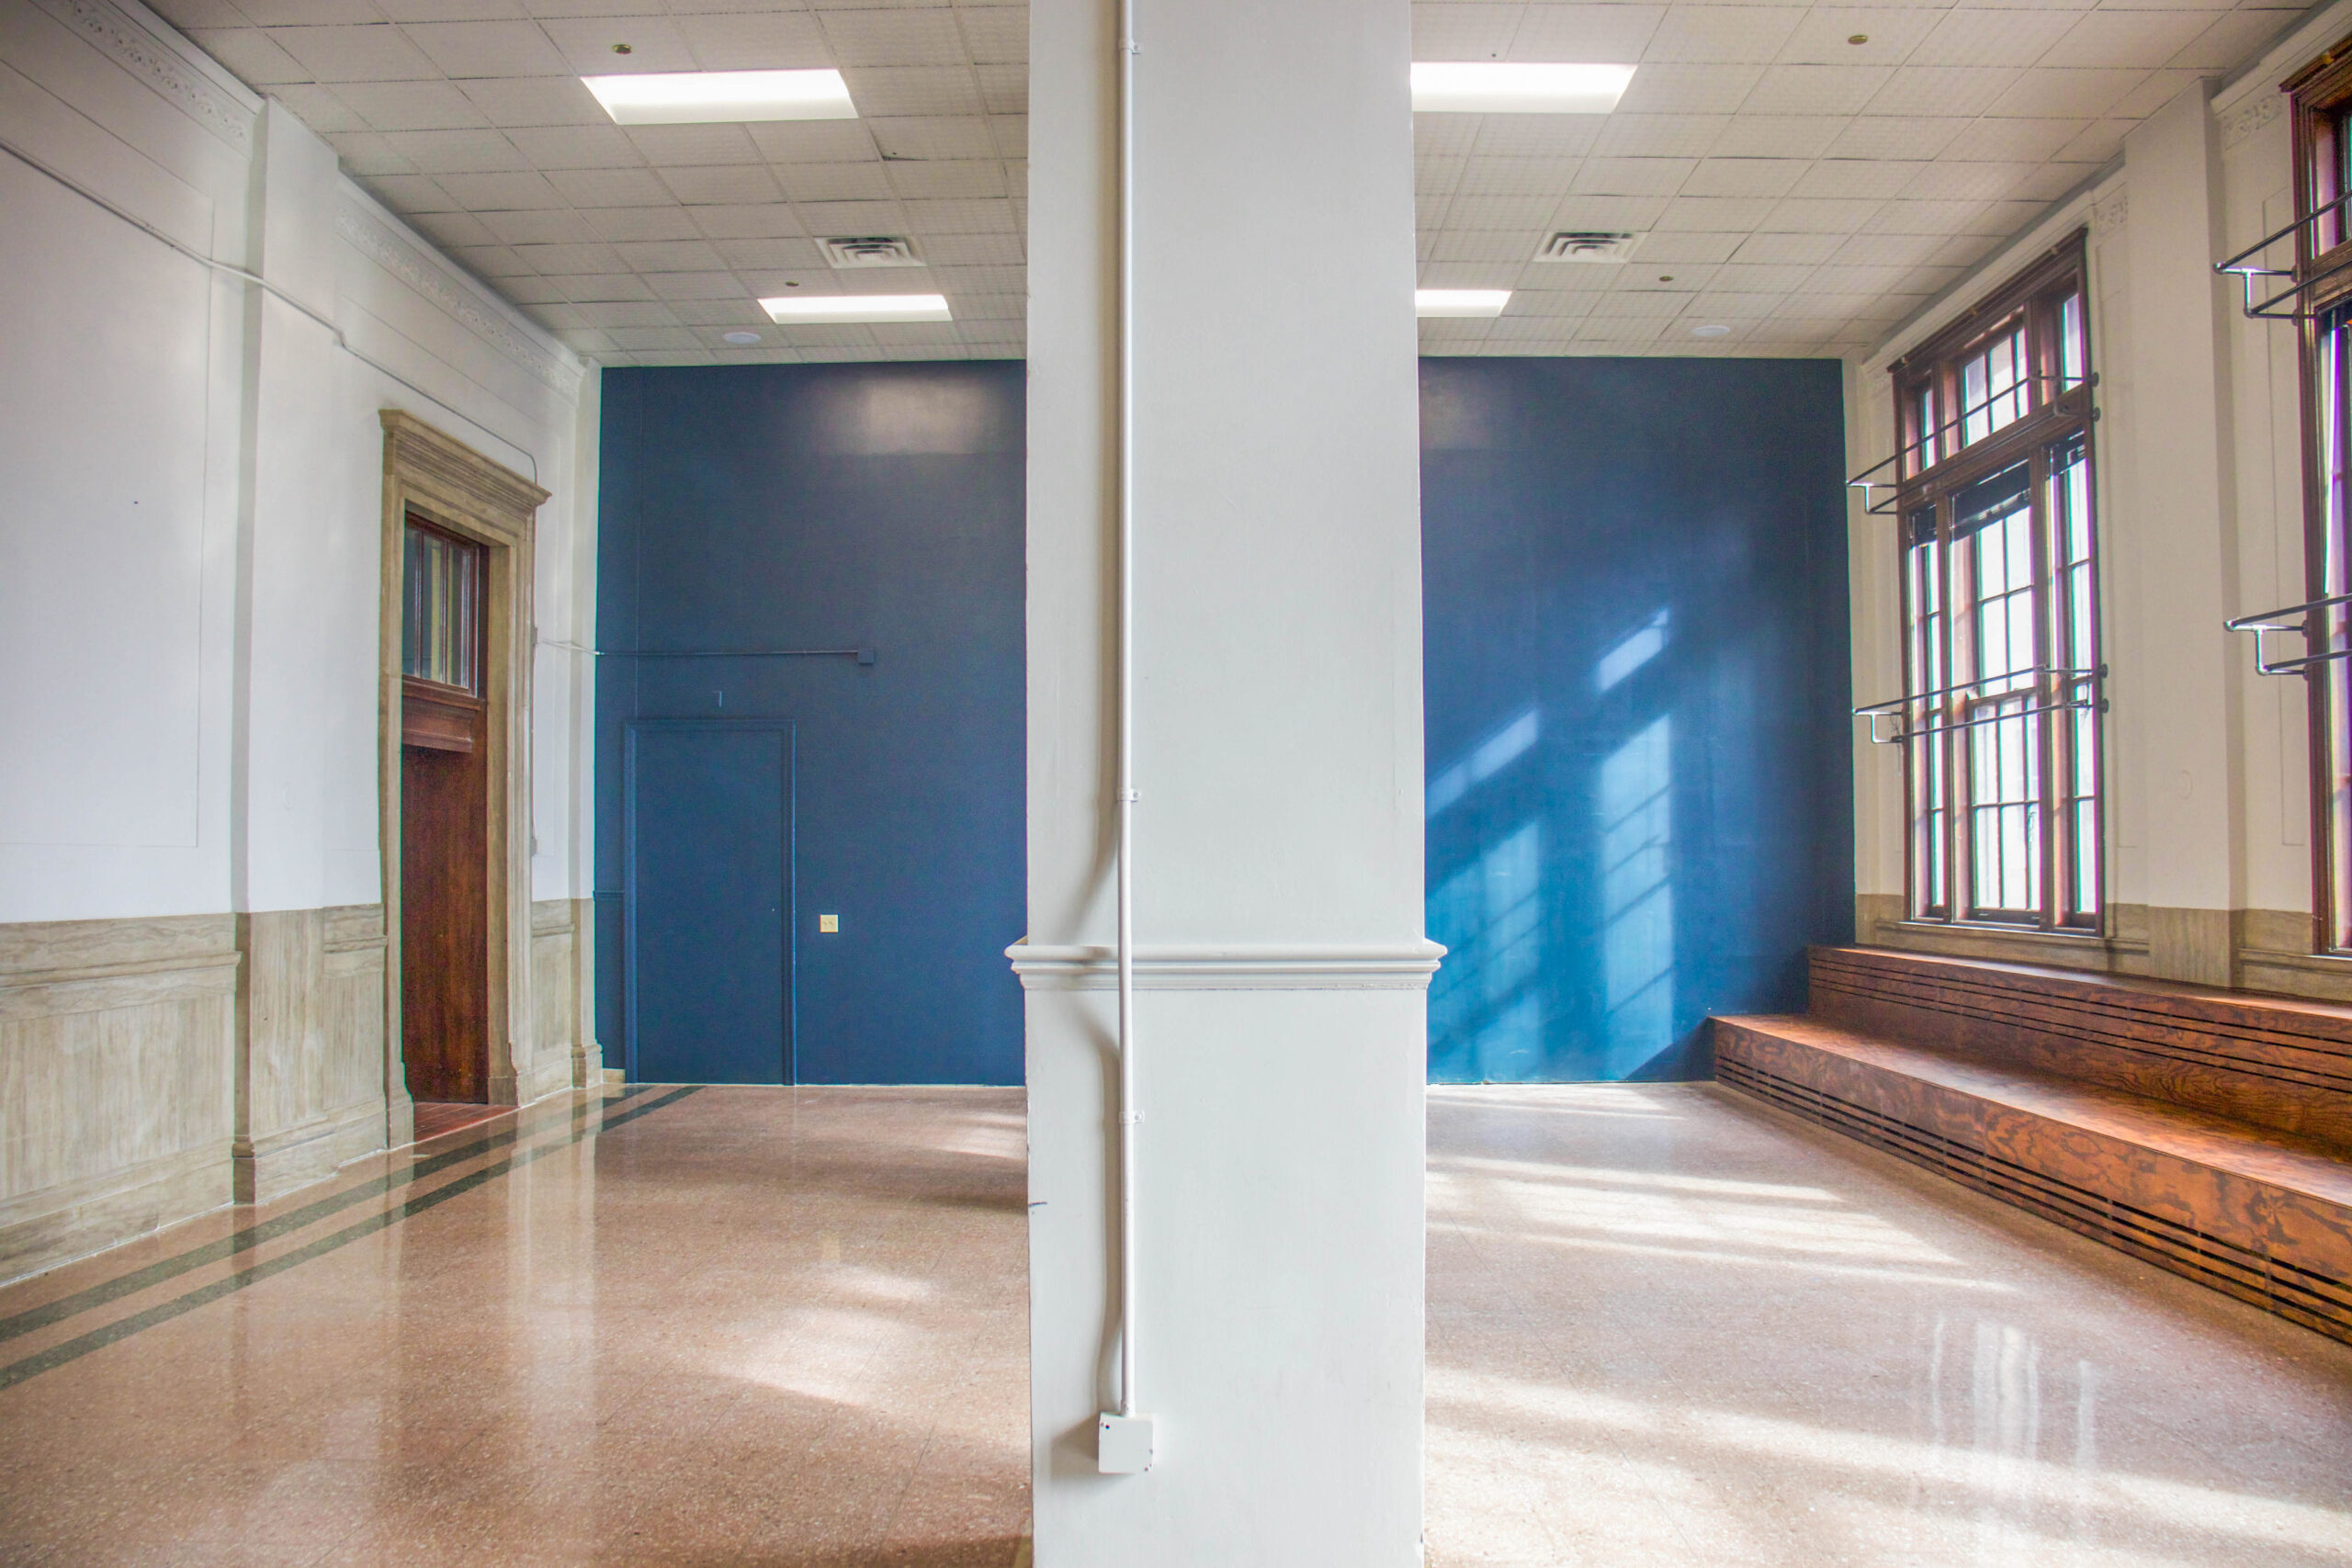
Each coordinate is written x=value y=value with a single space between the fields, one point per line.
x=444 y=824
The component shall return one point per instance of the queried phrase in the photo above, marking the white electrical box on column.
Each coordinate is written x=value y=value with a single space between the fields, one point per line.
x=1123 y=1437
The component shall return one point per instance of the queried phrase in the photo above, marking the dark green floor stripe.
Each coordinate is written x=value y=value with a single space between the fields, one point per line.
x=163 y=1312
x=171 y=1268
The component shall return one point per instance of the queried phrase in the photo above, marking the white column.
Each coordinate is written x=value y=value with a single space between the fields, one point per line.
x=1281 y=1033
x=2178 y=541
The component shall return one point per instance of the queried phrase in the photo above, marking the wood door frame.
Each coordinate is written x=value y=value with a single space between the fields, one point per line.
x=458 y=491
x=790 y=730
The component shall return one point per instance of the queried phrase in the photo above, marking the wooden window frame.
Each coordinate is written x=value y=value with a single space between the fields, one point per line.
x=1931 y=474
x=2320 y=97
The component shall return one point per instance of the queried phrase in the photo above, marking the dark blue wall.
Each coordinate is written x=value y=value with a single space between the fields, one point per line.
x=1640 y=798
x=842 y=505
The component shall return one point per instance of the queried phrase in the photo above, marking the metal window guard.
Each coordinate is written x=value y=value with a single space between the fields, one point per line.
x=2071 y=689
x=1867 y=480
x=2279 y=621
x=2266 y=310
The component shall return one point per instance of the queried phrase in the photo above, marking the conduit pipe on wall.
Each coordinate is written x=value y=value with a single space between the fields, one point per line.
x=1124 y=1441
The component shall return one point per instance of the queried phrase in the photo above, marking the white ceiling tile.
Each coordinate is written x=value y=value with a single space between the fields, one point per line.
x=973 y=250
x=1511 y=176
x=1778 y=136
x=2095 y=144
x=1730 y=35
x=1891 y=250
x=813 y=140
x=1687 y=89
x=1659 y=135
x=489 y=261
x=535 y=291
x=1762 y=278
x=252 y=55
x=947 y=180
x=1632 y=176
x=880 y=91
x=835 y=182
x=449 y=10
x=601 y=286
x=318 y=107
x=965 y=136
x=1477 y=29
x=1687 y=248
x=996 y=35
x=1918 y=218
x=1004 y=89
x=656 y=43
x=1895 y=136
x=2159 y=88
x=1943 y=90
x=410 y=106
x=377 y=52
x=1970 y=37
x=1714 y=214
x=2054 y=94
x=1526 y=213
x=2140 y=38
x=555 y=260
x=741 y=310
x=1824 y=36
x=1803 y=215
x=557 y=226
x=963 y=216
x=1958 y=181
x=714 y=284
x=2021 y=140
x=188 y=15
x=1732 y=305
x=1525 y=135
x=648 y=223
x=1484 y=245
x=1786 y=250
x=1745 y=176
x=456 y=151
x=756 y=223
x=627 y=313
x=291 y=12
x=487 y=49
x=960 y=281
x=575 y=147
x=839 y=217
x=502 y=192
x=1011 y=134
x=1851 y=177
x=897 y=38
x=1615 y=34
x=537 y=101
x=728 y=185
x=650 y=256
x=611 y=187
x=2233 y=37
x=1814 y=89
x=694 y=146
x=770 y=255
x=771 y=40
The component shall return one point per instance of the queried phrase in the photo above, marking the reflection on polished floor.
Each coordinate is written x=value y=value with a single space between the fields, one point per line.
x=1670 y=1325
x=677 y=1326
x=779 y=1326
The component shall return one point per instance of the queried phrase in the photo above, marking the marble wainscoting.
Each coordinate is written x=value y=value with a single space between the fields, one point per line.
x=117 y=1057
x=563 y=987
x=311 y=1062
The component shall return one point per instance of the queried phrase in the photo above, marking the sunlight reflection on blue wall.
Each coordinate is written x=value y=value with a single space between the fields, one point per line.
x=1638 y=798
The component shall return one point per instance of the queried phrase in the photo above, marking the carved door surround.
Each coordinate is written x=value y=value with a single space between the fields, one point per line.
x=448 y=483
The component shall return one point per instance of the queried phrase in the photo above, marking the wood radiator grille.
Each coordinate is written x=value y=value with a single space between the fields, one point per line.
x=2316 y=1301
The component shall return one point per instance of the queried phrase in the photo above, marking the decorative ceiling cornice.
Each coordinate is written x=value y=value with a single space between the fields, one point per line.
x=183 y=84
x=406 y=262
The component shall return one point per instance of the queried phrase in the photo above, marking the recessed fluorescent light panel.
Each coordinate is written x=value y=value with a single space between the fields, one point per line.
x=1459 y=302
x=697 y=97
x=804 y=308
x=1479 y=86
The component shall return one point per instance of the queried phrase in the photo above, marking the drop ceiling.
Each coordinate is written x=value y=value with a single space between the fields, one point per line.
x=1806 y=190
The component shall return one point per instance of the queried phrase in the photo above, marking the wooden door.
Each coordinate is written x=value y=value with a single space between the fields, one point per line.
x=444 y=820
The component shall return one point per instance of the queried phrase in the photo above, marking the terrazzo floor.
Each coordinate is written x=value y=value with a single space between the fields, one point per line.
x=1668 y=1324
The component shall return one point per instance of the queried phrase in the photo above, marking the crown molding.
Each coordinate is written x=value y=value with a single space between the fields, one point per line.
x=139 y=49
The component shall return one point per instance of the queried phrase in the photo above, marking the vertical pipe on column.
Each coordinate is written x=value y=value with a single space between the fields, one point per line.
x=1128 y=1115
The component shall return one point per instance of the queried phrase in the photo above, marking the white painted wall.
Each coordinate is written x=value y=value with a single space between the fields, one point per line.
x=190 y=488
x=1282 y=1040
x=2201 y=510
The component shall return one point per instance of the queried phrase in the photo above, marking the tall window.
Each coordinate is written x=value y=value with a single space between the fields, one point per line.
x=1999 y=723
x=2323 y=100
x=441 y=608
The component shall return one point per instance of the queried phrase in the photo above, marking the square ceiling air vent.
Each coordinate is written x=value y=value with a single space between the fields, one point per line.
x=871 y=250
x=1588 y=246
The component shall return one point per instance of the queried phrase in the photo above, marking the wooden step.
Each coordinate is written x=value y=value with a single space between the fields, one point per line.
x=2263 y=1215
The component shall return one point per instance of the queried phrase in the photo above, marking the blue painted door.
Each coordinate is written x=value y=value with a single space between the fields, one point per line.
x=708 y=895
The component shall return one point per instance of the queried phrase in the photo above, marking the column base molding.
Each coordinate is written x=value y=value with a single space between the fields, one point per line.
x=1384 y=967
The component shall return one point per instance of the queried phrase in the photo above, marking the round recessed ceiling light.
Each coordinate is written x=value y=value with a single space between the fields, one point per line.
x=743 y=338
x=1712 y=329
x=1859 y=38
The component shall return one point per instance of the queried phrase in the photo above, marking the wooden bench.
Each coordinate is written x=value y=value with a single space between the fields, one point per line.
x=2207 y=1132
